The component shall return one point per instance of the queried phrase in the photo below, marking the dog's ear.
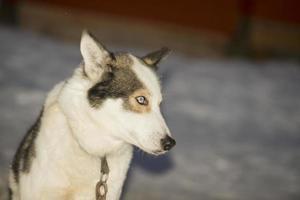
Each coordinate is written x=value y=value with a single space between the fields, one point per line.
x=94 y=55
x=152 y=59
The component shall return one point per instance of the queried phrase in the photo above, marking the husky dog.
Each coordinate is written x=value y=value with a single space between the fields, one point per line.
x=111 y=103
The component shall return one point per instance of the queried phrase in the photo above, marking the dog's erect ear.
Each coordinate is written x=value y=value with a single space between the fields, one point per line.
x=94 y=55
x=152 y=59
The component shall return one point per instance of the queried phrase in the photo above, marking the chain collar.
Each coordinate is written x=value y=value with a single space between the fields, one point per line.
x=101 y=187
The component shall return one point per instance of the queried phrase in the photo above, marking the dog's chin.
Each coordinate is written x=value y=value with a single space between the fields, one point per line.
x=156 y=152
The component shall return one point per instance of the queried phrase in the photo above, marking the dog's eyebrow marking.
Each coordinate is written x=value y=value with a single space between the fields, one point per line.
x=131 y=104
x=26 y=152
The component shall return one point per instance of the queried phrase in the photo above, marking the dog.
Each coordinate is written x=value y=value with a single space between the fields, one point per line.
x=91 y=122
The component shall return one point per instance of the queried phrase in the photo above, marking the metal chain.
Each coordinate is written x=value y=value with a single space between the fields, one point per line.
x=101 y=187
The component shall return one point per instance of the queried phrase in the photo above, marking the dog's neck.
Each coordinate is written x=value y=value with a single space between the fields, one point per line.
x=79 y=164
x=79 y=146
x=83 y=133
x=117 y=154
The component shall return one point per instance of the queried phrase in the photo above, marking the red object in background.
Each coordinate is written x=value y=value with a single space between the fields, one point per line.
x=216 y=15
x=278 y=10
x=246 y=7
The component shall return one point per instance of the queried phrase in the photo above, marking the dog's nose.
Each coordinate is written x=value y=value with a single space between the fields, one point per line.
x=167 y=143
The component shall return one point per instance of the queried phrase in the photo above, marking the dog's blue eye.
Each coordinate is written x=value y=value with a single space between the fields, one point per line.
x=141 y=100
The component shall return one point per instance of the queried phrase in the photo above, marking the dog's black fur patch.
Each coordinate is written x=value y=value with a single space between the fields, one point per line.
x=26 y=151
x=9 y=193
x=120 y=82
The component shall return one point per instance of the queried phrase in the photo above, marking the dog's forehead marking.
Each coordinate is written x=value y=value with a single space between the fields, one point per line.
x=121 y=60
x=148 y=77
x=127 y=79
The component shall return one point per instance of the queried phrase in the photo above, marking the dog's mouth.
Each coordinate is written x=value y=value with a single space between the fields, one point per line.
x=157 y=151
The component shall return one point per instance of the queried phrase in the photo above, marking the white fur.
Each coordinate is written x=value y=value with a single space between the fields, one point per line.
x=73 y=136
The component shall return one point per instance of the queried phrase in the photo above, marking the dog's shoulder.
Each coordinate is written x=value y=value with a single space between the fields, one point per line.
x=53 y=95
x=26 y=151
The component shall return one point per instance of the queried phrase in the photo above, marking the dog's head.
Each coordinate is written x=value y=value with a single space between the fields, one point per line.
x=122 y=95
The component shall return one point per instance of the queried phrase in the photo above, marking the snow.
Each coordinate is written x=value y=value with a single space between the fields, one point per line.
x=236 y=122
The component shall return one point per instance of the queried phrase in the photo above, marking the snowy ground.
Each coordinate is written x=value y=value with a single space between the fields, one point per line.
x=236 y=122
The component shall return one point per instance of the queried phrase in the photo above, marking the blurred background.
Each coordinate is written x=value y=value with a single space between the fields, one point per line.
x=231 y=87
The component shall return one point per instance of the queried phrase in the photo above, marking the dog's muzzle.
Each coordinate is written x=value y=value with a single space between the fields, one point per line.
x=167 y=143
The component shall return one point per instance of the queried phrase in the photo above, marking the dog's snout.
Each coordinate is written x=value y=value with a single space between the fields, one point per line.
x=167 y=143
